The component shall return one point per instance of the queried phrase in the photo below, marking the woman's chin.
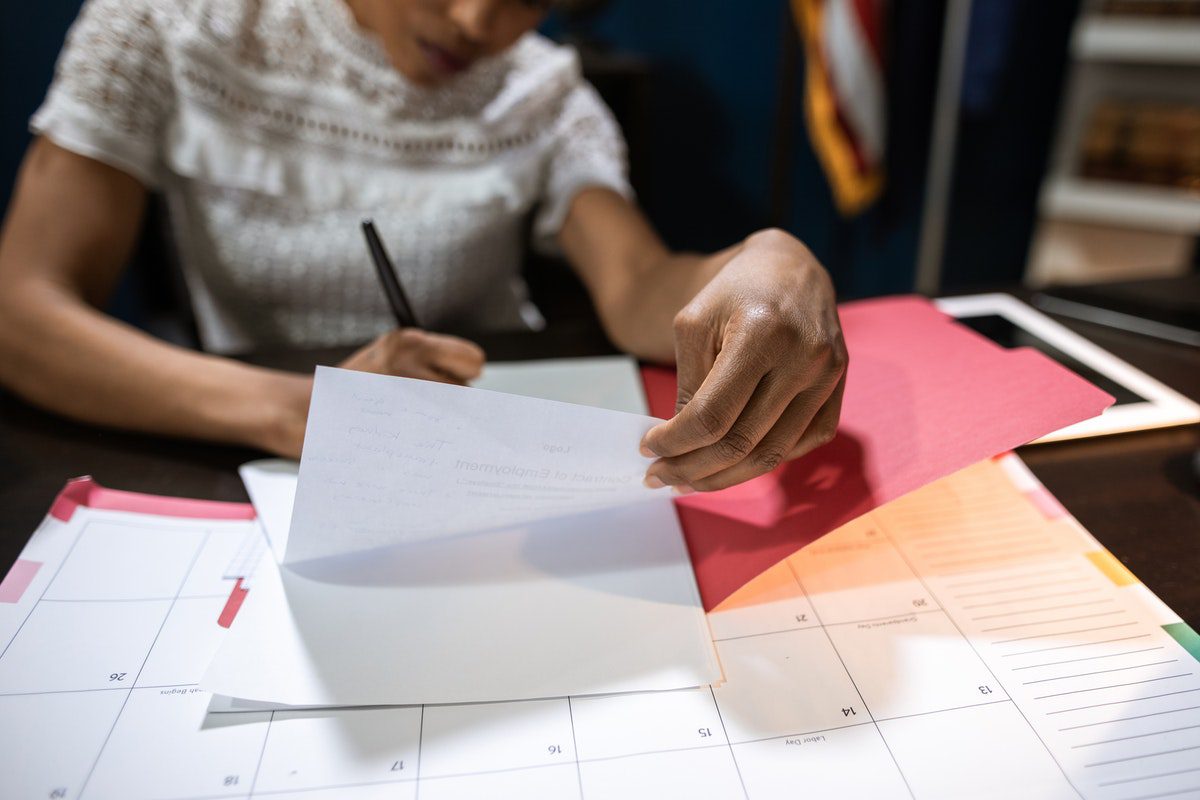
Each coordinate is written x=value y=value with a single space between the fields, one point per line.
x=418 y=73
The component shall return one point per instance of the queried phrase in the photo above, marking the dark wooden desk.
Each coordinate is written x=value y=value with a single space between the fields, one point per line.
x=1138 y=493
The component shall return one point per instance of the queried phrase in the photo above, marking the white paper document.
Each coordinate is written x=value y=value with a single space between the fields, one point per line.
x=611 y=382
x=454 y=545
x=271 y=484
x=391 y=461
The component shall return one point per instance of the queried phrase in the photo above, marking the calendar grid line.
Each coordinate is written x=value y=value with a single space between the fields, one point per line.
x=128 y=599
x=299 y=789
x=45 y=589
x=498 y=771
x=262 y=752
x=182 y=582
x=827 y=624
x=853 y=682
x=600 y=759
x=97 y=689
x=575 y=748
x=653 y=752
x=420 y=745
x=712 y=693
x=545 y=699
x=741 y=636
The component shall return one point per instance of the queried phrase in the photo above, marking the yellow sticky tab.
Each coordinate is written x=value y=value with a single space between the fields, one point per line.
x=1107 y=563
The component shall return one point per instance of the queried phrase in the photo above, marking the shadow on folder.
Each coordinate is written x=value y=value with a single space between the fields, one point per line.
x=735 y=535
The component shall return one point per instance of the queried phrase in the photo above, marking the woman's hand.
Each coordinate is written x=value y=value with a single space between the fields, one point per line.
x=761 y=364
x=406 y=352
x=414 y=353
x=753 y=331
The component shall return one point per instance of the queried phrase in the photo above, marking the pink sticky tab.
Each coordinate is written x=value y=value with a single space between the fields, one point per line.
x=72 y=496
x=237 y=596
x=17 y=580
x=86 y=492
x=1046 y=503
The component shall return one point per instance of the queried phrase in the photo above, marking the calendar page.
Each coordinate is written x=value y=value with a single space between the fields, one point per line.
x=968 y=640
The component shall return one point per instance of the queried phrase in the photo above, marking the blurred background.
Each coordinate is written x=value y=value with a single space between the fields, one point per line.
x=931 y=146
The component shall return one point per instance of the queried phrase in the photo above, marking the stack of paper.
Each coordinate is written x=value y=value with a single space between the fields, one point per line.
x=453 y=545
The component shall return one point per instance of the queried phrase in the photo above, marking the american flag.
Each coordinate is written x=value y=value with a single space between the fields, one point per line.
x=844 y=94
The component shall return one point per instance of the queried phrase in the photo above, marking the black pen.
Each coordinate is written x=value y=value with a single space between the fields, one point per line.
x=405 y=316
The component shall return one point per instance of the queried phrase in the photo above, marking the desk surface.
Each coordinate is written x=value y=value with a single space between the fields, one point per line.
x=1138 y=493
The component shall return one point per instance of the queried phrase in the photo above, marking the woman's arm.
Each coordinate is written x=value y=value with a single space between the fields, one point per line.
x=71 y=226
x=753 y=331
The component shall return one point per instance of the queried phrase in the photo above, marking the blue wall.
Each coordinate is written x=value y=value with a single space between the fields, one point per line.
x=712 y=104
x=30 y=37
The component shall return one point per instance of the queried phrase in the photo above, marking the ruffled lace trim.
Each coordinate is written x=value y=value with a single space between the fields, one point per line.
x=206 y=149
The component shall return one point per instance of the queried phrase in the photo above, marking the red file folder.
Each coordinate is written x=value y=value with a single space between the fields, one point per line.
x=925 y=397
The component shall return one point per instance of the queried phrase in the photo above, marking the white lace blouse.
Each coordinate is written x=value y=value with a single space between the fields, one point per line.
x=274 y=126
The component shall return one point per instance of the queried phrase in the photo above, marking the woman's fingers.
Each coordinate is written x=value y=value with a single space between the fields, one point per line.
x=765 y=386
x=414 y=353
x=427 y=373
x=823 y=427
x=781 y=443
x=769 y=311
x=708 y=416
x=458 y=358
x=774 y=396
x=695 y=353
x=773 y=392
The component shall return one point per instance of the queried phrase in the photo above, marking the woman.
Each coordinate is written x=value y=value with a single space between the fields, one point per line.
x=273 y=126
